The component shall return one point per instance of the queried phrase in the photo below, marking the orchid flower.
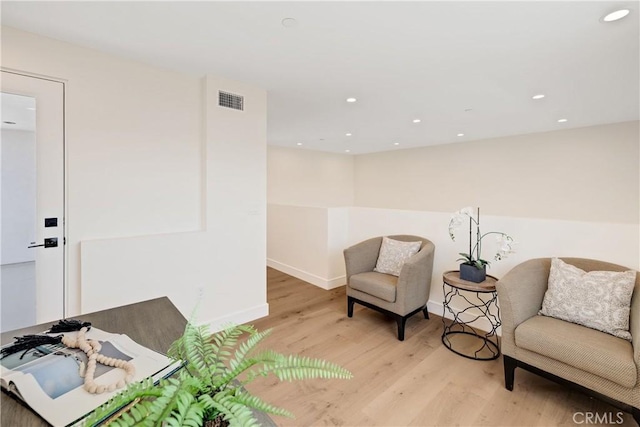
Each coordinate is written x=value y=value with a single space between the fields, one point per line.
x=504 y=241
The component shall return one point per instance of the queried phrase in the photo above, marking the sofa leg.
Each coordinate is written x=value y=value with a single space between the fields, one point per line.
x=426 y=313
x=401 y=322
x=510 y=365
x=350 y=303
x=636 y=414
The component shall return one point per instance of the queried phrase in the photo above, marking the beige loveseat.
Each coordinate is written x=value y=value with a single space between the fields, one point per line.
x=597 y=363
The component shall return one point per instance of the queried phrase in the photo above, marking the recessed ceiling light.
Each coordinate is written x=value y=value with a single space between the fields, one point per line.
x=289 y=22
x=351 y=100
x=416 y=120
x=538 y=96
x=396 y=143
x=31 y=108
x=562 y=120
x=347 y=134
x=299 y=143
x=6 y=122
x=461 y=134
x=615 y=15
x=347 y=151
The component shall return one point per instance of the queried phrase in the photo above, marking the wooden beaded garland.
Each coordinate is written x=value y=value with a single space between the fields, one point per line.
x=92 y=349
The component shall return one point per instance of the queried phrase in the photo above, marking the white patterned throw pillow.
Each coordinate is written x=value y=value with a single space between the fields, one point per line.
x=393 y=254
x=597 y=299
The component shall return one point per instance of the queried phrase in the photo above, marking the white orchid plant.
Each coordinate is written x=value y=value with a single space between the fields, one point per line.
x=504 y=241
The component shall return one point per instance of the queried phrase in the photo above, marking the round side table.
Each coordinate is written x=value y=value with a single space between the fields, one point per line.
x=476 y=309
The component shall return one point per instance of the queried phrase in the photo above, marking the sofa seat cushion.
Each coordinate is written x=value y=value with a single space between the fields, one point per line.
x=581 y=347
x=379 y=285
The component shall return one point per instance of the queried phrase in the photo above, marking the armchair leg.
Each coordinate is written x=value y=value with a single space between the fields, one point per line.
x=401 y=322
x=350 y=303
x=510 y=365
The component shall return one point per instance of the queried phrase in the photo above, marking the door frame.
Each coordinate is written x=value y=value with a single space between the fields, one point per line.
x=65 y=192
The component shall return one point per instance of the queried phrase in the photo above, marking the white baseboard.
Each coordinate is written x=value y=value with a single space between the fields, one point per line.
x=318 y=281
x=483 y=324
x=238 y=318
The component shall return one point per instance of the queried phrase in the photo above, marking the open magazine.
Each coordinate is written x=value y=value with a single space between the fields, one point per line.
x=47 y=377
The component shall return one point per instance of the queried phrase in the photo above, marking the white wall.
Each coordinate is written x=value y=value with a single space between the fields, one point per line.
x=307 y=242
x=535 y=238
x=18 y=156
x=144 y=151
x=236 y=157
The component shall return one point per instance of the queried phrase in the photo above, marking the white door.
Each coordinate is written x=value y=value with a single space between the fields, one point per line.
x=32 y=221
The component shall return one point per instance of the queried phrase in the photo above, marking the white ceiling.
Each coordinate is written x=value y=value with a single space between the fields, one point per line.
x=401 y=60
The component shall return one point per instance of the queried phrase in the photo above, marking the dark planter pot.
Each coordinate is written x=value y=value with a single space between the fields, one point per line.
x=472 y=274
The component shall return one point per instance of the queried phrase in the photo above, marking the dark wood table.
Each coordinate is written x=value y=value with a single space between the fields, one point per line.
x=154 y=324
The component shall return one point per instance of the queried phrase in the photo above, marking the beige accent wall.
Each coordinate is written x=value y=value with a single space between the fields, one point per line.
x=309 y=178
x=585 y=174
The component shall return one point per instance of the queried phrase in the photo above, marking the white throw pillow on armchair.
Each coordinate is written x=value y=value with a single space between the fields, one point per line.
x=597 y=299
x=393 y=254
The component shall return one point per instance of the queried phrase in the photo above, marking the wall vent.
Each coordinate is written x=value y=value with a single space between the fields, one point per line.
x=230 y=100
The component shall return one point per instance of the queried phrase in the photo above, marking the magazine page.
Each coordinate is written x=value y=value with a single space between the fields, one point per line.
x=48 y=377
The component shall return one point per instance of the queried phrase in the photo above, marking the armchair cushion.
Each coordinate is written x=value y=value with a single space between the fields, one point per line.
x=587 y=349
x=597 y=299
x=393 y=254
x=379 y=285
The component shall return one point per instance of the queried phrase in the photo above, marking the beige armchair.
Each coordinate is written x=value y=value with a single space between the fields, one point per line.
x=399 y=297
x=594 y=362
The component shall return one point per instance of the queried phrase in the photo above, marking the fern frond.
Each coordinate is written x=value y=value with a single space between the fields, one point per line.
x=142 y=390
x=227 y=339
x=176 y=349
x=175 y=397
x=188 y=411
x=197 y=349
x=246 y=347
x=268 y=359
x=237 y=414
x=259 y=404
x=295 y=367
x=194 y=416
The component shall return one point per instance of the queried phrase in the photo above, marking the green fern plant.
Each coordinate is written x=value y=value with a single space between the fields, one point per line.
x=211 y=383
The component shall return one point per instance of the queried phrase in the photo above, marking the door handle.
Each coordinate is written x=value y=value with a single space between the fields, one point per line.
x=51 y=242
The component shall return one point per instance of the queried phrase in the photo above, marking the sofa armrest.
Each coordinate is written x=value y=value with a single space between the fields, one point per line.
x=634 y=324
x=520 y=294
x=414 y=282
x=362 y=257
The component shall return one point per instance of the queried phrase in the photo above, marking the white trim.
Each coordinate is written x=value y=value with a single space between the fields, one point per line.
x=482 y=324
x=238 y=318
x=336 y=282
x=318 y=281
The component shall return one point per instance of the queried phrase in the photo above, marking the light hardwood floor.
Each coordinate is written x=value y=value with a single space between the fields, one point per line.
x=417 y=382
